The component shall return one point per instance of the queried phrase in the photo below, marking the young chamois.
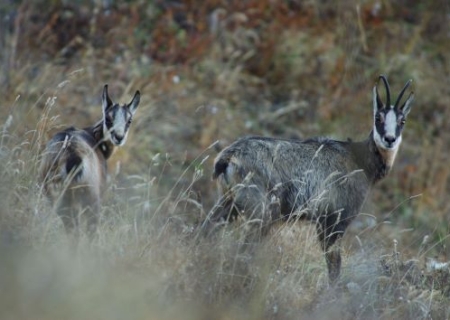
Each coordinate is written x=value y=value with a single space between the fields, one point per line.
x=321 y=180
x=73 y=168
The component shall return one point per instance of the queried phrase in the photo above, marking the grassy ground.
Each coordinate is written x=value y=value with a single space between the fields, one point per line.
x=207 y=73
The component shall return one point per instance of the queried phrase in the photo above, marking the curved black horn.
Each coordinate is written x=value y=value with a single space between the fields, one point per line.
x=401 y=93
x=388 y=93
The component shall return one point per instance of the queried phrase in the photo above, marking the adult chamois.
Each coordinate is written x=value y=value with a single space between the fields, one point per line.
x=321 y=180
x=73 y=168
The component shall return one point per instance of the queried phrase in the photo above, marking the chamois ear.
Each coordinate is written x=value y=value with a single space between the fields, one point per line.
x=406 y=107
x=132 y=106
x=106 y=101
x=377 y=104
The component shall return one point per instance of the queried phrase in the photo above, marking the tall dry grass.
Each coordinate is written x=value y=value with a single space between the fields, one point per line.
x=149 y=260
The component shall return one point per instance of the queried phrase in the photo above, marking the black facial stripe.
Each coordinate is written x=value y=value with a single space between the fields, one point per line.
x=108 y=121
x=398 y=131
x=111 y=115
x=399 y=128
x=127 y=116
x=380 y=128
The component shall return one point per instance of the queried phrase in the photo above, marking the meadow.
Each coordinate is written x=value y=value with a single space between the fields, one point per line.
x=209 y=73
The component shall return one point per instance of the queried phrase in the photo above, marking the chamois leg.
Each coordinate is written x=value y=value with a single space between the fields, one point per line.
x=223 y=211
x=90 y=206
x=243 y=199
x=246 y=200
x=331 y=229
x=333 y=259
x=259 y=208
x=67 y=211
x=69 y=219
x=267 y=210
x=92 y=213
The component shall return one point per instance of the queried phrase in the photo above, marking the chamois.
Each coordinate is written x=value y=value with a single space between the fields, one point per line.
x=321 y=180
x=73 y=168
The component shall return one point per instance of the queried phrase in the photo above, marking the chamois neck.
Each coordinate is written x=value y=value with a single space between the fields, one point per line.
x=376 y=162
x=105 y=146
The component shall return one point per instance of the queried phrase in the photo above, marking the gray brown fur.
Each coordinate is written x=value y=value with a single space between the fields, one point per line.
x=319 y=179
x=74 y=163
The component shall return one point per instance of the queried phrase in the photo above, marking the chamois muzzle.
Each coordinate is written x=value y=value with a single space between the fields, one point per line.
x=390 y=141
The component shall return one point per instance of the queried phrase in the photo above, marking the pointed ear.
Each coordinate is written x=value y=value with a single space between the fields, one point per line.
x=132 y=106
x=406 y=107
x=377 y=104
x=106 y=101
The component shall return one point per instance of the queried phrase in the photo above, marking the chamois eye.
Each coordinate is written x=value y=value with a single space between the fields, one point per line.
x=378 y=118
x=129 y=121
x=402 y=122
x=108 y=122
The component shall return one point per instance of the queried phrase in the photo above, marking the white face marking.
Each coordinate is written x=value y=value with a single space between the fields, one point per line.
x=389 y=139
x=118 y=132
x=390 y=123
x=386 y=147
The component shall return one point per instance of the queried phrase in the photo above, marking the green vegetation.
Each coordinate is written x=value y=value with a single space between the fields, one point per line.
x=213 y=71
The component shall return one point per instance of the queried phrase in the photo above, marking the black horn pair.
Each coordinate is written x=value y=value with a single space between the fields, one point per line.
x=388 y=92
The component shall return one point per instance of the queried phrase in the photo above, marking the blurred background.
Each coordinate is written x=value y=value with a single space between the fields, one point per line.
x=211 y=71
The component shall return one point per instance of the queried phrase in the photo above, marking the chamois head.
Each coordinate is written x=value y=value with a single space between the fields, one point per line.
x=117 y=118
x=389 y=120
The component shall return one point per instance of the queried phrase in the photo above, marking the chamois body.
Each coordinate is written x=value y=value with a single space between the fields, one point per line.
x=318 y=179
x=74 y=163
